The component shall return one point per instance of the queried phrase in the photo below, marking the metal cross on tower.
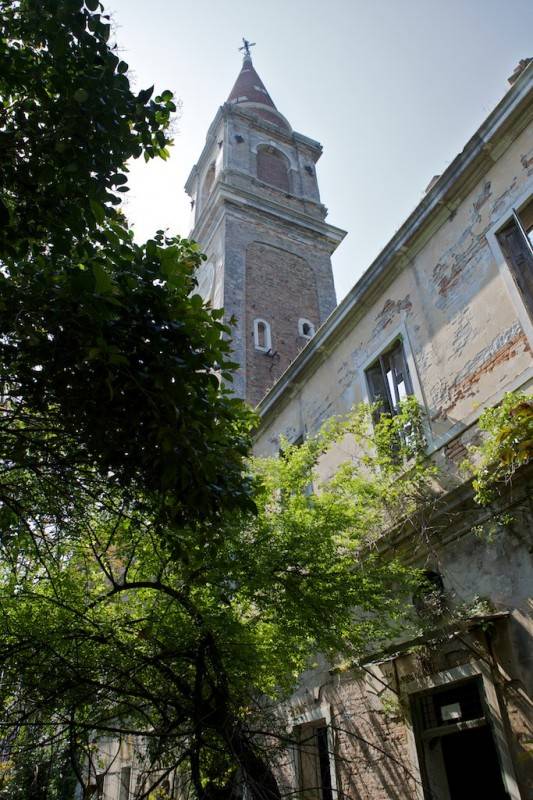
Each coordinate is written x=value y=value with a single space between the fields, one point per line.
x=246 y=47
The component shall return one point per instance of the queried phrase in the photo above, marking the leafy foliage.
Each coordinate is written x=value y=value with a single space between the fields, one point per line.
x=108 y=631
x=152 y=584
x=69 y=122
x=507 y=445
x=108 y=356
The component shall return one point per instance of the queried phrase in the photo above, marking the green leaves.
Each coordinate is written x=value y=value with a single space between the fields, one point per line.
x=507 y=445
x=63 y=78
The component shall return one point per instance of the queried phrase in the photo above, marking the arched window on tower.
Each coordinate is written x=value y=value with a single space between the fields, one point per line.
x=306 y=329
x=273 y=168
x=208 y=183
x=262 y=335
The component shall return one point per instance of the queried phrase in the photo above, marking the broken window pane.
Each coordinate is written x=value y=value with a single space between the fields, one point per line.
x=516 y=241
x=388 y=379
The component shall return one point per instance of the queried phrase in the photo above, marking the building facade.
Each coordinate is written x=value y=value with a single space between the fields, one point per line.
x=445 y=314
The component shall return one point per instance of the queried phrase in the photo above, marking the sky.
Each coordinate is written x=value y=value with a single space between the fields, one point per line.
x=393 y=89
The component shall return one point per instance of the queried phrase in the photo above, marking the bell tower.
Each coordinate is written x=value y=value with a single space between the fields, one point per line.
x=258 y=217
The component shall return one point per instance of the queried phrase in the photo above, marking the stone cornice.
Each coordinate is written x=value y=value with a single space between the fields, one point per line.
x=224 y=192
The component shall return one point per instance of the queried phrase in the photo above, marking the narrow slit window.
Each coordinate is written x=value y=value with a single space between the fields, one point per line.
x=315 y=762
x=306 y=329
x=262 y=336
x=208 y=183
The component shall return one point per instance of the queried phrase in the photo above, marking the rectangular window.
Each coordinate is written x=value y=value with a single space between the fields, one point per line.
x=456 y=748
x=516 y=242
x=315 y=762
x=125 y=778
x=388 y=379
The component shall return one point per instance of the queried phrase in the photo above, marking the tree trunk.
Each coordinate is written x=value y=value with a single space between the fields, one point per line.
x=259 y=778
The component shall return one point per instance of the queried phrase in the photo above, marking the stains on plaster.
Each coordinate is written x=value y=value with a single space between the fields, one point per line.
x=461 y=273
x=482 y=197
x=503 y=202
x=527 y=161
x=390 y=312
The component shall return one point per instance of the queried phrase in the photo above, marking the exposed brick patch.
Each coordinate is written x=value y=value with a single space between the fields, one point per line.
x=446 y=280
x=273 y=168
x=456 y=451
x=390 y=310
x=503 y=349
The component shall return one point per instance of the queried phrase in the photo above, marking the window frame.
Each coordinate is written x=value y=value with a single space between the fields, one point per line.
x=400 y=333
x=303 y=321
x=379 y=363
x=267 y=347
x=314 y=716
x=125 y=787
x=503 y=267
x=493 y=709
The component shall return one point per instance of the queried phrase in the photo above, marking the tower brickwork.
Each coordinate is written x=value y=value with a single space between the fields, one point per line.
x=258 y=216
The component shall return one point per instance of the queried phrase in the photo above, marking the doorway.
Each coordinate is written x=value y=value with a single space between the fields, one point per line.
x=455 y=743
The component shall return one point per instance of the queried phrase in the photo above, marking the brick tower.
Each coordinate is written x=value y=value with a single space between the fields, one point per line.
x=257 y=215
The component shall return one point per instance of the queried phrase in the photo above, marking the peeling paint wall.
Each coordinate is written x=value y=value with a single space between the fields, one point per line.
x=452 y=304
x=467 y=339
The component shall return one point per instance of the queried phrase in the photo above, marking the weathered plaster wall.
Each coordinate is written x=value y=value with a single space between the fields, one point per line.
x=467 y=339
x=369 y=710
x=462 y=327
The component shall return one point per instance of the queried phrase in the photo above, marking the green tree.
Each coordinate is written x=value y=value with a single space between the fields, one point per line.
x=151 y=583
x=507 y=446
x=92 y=323
x=108 y=631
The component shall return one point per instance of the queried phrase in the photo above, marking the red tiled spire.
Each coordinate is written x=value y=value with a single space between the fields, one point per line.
x=249 y=87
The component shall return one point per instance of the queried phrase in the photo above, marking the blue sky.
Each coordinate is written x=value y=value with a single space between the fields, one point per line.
x=393 y=89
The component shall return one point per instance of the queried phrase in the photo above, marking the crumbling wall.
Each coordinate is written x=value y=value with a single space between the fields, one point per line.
x=449 y=302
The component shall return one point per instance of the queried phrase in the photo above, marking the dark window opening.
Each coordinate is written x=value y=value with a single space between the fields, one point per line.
x=100 y=786
x=516 y=241
x=306 y=328
x=429 y=599
x=456 y=748
x=388 y=380
x=315 y=763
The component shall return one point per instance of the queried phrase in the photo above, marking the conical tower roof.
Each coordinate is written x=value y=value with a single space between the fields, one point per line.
x=250 y=91
x=249 y=88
